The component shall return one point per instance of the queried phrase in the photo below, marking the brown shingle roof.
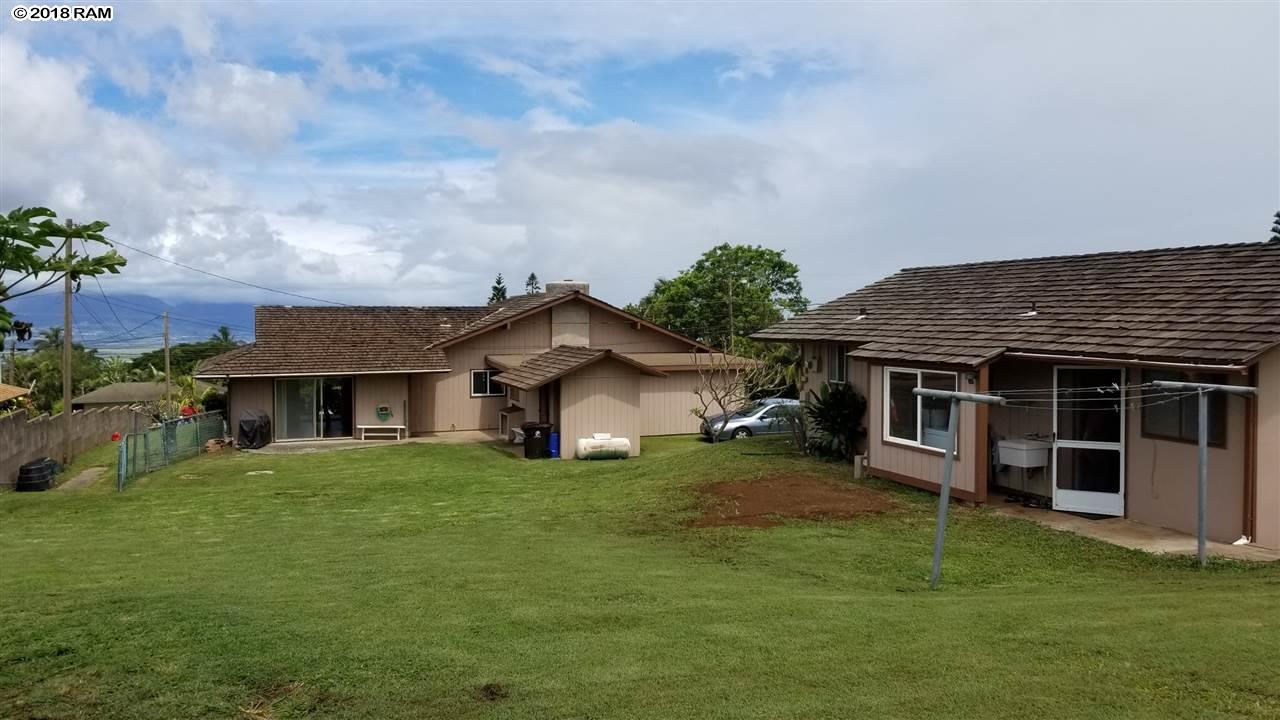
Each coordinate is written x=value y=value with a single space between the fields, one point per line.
x=319 y=340
x=666 y=361
x=1214 y=304
x=311 y=340
x=560 y=361
x=9 y=392
x=128 y=393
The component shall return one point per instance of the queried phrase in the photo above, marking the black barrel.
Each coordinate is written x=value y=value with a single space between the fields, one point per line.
x=537 y=441
x=35 y=475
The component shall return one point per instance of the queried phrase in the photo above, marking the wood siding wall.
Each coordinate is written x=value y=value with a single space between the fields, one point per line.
x=1267 y=506
x=1162 y=476
x=612 y=331
x=442 y=402
x=602 y=398
x=374 y=390
x=250 y=394
x=667 y=403
x=1017 y=423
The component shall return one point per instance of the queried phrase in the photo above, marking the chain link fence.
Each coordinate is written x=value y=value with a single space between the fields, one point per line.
x=166 y=443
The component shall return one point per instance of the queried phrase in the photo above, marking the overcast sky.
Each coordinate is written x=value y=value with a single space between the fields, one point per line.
x=406 y=153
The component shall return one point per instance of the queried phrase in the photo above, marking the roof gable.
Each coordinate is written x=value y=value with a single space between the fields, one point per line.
x=560 y=361
x=524 y=306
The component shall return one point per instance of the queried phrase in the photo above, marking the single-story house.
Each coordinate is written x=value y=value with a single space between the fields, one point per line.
x=560 y=356
x=10 y=394
x=1073 y=342
x=124 y=394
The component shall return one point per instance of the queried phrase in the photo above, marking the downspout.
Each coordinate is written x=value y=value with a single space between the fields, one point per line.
x=1249 y=521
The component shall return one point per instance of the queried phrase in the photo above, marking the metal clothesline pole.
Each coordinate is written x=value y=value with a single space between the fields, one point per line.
x=1203 y=390
x=944 y=497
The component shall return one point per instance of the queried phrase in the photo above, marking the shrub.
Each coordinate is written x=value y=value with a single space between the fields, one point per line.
x=835 y=414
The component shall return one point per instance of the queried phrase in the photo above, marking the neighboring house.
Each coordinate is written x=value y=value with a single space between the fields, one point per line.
x=9 y=396
x=561 y=356
x=1039 y=331
x=124 y=394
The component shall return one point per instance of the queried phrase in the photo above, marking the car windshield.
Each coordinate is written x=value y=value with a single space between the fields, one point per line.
x=749 y=410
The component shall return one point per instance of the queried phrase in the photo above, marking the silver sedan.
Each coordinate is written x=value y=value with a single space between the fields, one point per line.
x=764 y=417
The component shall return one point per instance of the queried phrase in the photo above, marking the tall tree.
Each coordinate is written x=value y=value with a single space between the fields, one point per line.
x=498 y=292
x=41 y=370
x=224 y=337
x=185 y=357
x=49 y=339
x=731 y=292
x=531 y=285
x=33 y=254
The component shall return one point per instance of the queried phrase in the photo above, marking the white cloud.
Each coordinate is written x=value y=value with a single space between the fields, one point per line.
x=748 y=67
x=536 y=83
x=242 y=105
x=947 y=133
x=336 y=68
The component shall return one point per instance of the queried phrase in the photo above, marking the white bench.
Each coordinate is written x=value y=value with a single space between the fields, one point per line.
x=381 y=431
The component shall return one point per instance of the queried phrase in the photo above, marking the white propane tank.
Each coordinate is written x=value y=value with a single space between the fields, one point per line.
x=597 y=448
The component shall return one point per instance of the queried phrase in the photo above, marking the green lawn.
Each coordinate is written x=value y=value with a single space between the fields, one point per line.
x=398 y=582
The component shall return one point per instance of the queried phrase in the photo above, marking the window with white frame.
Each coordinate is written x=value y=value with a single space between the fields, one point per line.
x=912 y=419
x=837 y=363
x=483 y=385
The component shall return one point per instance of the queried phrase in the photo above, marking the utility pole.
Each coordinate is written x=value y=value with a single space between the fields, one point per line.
x=1203 y=390
x=66 y=350
x=944 y=496
x=168 y=382
x=731 y=279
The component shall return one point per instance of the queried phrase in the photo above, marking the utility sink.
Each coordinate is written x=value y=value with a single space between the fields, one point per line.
x=1024 y=453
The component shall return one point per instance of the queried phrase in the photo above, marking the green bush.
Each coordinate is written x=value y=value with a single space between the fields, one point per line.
x=835 y=413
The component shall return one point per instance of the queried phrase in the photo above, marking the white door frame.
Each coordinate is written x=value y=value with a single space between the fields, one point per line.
x=1098 y=503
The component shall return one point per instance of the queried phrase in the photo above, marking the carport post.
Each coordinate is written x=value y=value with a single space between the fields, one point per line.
x=1203 y=390
x=944 y=495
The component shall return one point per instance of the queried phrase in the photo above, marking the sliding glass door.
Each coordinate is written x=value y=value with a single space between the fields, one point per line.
x=310 y=408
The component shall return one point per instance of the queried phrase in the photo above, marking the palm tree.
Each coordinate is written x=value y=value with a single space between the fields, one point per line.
x=50 y=339
x=224 y=337
x=116 y=370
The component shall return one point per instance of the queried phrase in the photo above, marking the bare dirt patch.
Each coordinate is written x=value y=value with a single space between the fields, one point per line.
x=770 y=501
x=491 y=692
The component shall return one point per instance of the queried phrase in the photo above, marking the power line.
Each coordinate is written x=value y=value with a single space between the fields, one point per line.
x=224 y=277
x=89 y=310
x=212 y=323
x=85 y=246
x=131 y=330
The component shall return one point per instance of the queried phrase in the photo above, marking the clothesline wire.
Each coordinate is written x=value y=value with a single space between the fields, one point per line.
x=1128 y=406
x=1082 y=401
x=1094 y=389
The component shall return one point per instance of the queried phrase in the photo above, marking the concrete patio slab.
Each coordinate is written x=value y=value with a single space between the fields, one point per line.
x=461 y=437
x=1130 y=534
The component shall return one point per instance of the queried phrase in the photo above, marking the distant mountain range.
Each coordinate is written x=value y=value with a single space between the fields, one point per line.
x=137 y=328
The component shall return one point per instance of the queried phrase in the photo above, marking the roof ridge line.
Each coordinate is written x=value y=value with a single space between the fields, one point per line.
x=1100 y=253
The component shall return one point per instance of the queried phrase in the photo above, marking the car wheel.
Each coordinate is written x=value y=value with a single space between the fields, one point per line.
x=741 y=433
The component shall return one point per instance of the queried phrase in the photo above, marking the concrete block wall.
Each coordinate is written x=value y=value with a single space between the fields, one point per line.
x=24 y=439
